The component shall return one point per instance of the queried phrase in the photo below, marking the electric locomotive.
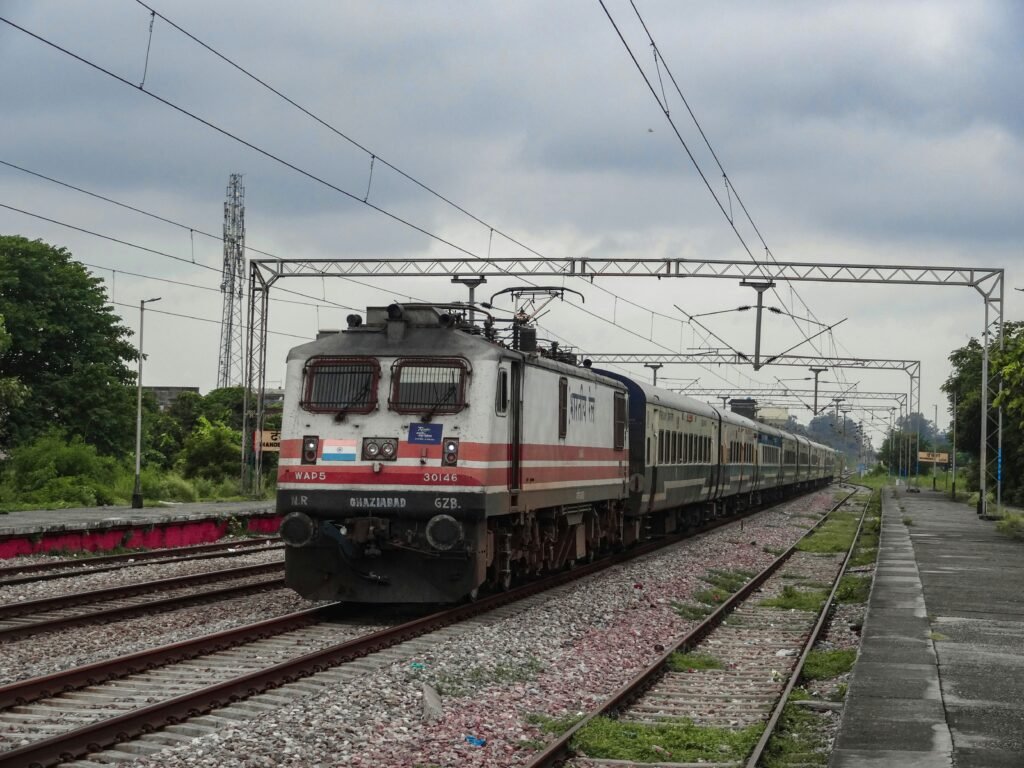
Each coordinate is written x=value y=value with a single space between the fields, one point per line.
x=423 y=458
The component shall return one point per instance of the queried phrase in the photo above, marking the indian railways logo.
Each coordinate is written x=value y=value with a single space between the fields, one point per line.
x=384 y=502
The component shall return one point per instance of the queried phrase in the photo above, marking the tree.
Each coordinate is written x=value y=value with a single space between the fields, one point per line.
x=12 y=393
x=67 y=348
x=224 y=405
x=211 y=451
x=965 y=384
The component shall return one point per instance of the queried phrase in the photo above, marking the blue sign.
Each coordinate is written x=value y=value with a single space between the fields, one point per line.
x=425 y=434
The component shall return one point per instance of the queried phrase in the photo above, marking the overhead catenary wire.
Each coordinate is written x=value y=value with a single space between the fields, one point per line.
x=375 y=157
x=660 y=62
x=201 y=319
x=136 y=246
x=228 y=134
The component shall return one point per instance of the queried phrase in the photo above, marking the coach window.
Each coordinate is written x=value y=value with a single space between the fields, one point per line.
x=501 y=395
x=563 y=407
x=619 y=421
x=661 y=446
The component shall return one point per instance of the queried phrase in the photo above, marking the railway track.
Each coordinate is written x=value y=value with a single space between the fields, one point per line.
x=124 y=701
x=25 y=618
x=730 y=676
x=33 y=572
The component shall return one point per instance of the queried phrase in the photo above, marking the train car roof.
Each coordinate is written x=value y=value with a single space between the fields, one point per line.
x=659 y=396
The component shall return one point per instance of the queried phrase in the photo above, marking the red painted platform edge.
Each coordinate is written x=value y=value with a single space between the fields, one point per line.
x=142 y=536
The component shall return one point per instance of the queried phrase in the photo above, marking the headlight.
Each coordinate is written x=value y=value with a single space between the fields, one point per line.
x=388 y=450
x=371 y=450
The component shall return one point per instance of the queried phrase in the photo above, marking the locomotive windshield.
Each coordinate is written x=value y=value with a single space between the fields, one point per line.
x=341 y=385
x=431 y=386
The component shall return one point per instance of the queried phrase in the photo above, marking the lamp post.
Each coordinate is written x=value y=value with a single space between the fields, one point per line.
x=935 y=479
x=137 y=492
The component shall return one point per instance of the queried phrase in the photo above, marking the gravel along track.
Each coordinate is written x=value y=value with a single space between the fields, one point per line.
x=48 y=615
x=502 y=678
x=78 y=581
x=31 y=568
x=21 y=725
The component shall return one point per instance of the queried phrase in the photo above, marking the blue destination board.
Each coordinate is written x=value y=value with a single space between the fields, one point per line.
x=428 y=434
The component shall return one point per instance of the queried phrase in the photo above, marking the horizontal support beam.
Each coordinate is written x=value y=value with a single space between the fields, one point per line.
x=787 y=392
x=791 y=271
x=733 y=358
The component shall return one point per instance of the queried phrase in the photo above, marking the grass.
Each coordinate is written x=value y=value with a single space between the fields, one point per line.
x=938 y=636
x=798 y=739
x=822 y=665
x=730 y=581
x=1012 y=525
x=908 y=521
x=691 y=611
x=475 y=678
x=553 y=725
x=684 y=662
x=854 y=589
x=797 y=599
x=835 y=535
x=680 y=741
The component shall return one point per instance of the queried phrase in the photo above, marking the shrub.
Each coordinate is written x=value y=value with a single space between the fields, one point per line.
x=212 y=451
x=1013 y=526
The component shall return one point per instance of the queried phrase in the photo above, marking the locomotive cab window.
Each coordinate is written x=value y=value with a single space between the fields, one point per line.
x=340 y=385
x=429 y=385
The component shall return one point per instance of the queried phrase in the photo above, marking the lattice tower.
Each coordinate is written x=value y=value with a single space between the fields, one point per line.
x=230 y=363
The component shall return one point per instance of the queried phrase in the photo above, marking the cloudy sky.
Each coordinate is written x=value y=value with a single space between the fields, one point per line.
x=861 y=132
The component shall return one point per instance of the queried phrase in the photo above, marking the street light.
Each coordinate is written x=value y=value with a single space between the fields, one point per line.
x=137 y=492
x=934 y=479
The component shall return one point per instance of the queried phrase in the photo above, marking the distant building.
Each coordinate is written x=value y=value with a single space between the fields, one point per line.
x=165 y=396
x=773 y=417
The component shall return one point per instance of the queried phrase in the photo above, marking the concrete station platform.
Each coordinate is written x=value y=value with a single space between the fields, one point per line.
x=940 y=677
x=99 y=529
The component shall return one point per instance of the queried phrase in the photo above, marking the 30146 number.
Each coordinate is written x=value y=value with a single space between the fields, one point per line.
x=440 y=477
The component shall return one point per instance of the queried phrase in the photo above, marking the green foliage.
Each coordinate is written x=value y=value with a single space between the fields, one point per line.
x=1013 y=526
x=677 y=741
x=223 y=406
x=66 y=347
x=854 y=589
x=799 y=739
x=835 y=535
x=211 y=451
x=684 y=662
x=822 y=665
x=56 y=471
x=964 y=383
x=553 y=725
x=691 y=611
x=793 y=598
x=730 y=581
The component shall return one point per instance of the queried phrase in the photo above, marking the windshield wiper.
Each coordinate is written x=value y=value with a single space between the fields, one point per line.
x=340 y=415
x=433 y=409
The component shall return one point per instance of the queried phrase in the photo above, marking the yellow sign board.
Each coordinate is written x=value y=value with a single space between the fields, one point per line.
x=937 y=458
x=267 y=440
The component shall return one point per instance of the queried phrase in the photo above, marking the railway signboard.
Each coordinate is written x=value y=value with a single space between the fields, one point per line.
x=268 y=440
x=935 y=458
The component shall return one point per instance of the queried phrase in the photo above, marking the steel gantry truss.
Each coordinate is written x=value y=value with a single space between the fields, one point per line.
x=774 y=393
x=988 y=282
